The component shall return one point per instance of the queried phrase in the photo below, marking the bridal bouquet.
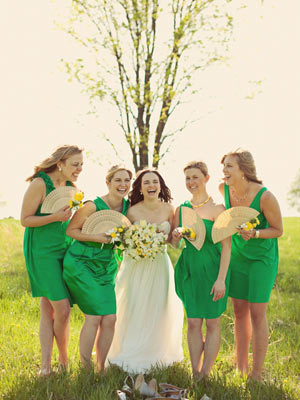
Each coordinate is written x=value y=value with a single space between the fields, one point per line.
x=143 y=240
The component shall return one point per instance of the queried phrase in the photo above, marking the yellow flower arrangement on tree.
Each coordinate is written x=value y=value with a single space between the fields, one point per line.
x=76 y=203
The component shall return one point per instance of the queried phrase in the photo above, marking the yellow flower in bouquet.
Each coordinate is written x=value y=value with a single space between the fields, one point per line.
x=76 y=203
x=117 y=233
x=187 y=232
x=248 y=226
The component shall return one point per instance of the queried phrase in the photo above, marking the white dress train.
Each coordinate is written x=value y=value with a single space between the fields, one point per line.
x=149 y=314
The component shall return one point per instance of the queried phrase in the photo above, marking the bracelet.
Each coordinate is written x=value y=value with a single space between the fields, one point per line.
x=256 y=234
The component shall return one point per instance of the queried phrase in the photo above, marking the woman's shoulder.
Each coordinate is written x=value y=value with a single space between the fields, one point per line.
x=37 y=183
x=217 y=209
x=168 y=206
x=222 y=188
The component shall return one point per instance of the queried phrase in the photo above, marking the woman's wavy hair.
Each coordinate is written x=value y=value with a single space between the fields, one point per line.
x=246 y=164
x=135 y=196
x=61 y=153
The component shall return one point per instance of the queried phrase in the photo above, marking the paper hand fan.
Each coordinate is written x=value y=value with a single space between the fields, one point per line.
x=192 y=220
x=104 y=220
x=58 y=199
x=227 y=222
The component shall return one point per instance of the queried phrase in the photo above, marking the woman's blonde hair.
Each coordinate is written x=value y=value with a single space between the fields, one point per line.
x=61 y=153
x=115 y=168
x=246 y=164
x=197 y=164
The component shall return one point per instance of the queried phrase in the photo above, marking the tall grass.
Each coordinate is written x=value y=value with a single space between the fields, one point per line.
x=20 y=351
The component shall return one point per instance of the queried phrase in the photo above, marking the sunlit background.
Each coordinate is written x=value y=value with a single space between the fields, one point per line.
x=251 y=102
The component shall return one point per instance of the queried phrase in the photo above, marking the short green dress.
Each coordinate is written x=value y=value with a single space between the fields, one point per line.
x=195 y=274
x=90 y=271
x=44 y=250
x=254 y=263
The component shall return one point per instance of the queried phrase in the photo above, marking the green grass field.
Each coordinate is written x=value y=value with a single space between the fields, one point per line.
x=20 y=352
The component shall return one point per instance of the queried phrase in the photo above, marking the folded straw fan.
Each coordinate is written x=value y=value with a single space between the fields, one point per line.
x=104 y=220
x=227 y=222
x=192 y=220
x=57 y=199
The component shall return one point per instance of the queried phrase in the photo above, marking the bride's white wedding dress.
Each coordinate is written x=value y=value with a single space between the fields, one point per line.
x=149 y=314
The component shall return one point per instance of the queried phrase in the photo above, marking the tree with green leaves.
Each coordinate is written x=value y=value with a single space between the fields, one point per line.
x=143 y=56
x=294 y=193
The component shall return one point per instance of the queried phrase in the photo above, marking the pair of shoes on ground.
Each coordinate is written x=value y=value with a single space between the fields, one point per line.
x=150 y=389
x=172 y=392
x=167 y=391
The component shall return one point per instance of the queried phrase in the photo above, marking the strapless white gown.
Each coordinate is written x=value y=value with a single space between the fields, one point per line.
x=149 y=314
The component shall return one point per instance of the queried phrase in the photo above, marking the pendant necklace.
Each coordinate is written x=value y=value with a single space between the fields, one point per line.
x=239 y=199
x=201 y=204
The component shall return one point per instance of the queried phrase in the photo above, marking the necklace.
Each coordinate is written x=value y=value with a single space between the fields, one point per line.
x=237 y=198
x=201 y=204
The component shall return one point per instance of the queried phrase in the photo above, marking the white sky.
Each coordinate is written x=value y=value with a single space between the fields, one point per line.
x=40 y=109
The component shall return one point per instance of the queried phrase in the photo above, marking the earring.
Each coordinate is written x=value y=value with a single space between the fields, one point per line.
x=59 y=169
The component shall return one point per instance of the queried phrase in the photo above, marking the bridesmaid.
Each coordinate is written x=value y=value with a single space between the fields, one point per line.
x=254 y=261
x=90 y=269
x=201 y=277
x=45 y=244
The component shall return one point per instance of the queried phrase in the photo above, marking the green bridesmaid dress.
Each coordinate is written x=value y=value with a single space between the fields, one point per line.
x=90 y=271
x=254 y=263
x=44 y=250
x=195 y=273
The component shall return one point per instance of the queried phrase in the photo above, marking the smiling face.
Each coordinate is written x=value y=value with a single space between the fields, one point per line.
x=231 y=170
x=119 y=184
x=71 y=167
x=195 y=180
x=150 y=186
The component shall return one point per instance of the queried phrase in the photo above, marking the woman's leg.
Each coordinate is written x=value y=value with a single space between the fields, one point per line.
x=46 y=335
x=87 y=338
x=195 y=343
x=104 y=338
x=243 y=331
x=61 y=328
x=260 y=337
x=211 y=346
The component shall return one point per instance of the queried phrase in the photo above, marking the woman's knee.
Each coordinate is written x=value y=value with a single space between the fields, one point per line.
x=194 y=324
x=62 y=311
x=258 y=313
x=212 y=324
x=109 y=321
x=241 y=308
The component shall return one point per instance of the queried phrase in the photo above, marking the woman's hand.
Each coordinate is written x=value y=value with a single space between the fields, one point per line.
x=63 y=214
x=218 y=289
x=103 y=238
x=246 y=235
x=176 y=234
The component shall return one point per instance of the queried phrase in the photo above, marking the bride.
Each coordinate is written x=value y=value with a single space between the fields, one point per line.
x=149 y=314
